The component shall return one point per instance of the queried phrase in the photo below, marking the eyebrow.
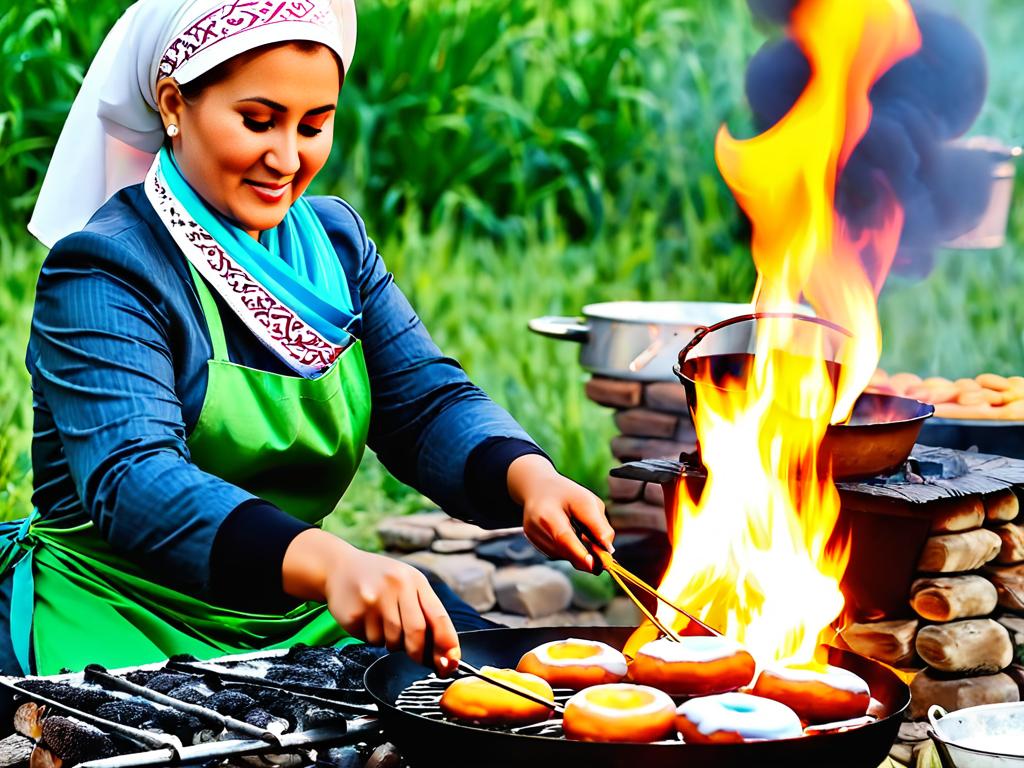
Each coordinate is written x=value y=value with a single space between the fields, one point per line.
x=282 y=108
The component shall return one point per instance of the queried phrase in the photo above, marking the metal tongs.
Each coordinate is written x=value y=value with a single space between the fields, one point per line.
x=468 y=669
x=622 y=576
x=624 y=579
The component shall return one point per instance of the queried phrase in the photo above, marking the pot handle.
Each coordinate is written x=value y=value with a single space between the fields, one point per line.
x=565 y=328
x=935 y=713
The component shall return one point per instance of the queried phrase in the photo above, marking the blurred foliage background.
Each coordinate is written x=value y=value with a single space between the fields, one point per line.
x=514 y=158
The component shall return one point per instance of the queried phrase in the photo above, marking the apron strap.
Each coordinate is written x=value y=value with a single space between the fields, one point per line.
x=23 y=597
x=213 y=322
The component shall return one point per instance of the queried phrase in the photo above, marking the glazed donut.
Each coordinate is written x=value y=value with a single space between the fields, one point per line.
x=816 y=696
x=694 y=667
x=470 y=699
x=619 y=712
x=574 y=663
x=735 y=717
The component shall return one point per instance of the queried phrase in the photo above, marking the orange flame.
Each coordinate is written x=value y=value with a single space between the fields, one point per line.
x=752 y=557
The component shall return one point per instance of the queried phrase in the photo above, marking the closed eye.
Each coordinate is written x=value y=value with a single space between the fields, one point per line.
x=257 y=125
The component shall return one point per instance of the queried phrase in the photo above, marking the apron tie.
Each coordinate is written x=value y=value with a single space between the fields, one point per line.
x=22 y=590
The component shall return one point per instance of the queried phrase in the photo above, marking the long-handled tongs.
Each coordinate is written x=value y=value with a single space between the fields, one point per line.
x=622 y=576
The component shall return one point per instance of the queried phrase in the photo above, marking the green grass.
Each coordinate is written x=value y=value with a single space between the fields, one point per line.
x=516 y=158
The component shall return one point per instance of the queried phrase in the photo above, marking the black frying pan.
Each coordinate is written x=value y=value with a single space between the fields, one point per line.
x=426 y=742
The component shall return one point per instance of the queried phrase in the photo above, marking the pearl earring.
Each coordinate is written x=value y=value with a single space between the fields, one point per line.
x=172 y=130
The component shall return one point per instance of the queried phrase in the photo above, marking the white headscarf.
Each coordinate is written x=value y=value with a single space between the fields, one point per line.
x=114 y=129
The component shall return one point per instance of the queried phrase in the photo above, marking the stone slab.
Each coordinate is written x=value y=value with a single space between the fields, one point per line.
x=395 y=534
x=654 y=494
x=614 y=393
x=534 y=591
x=668 y=396
x=958 y=693
x=457 y=529
x=627 y=448
x=637 y=514
x=452 y=546
x=624 y=489
x=468 y=576
x=643 y=422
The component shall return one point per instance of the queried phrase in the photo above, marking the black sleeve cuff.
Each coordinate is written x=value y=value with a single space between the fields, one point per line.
x=486 y=479
x=247 y=556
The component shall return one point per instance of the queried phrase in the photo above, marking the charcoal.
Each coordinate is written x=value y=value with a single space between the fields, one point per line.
x=362 y=654
x=166 y=682
x=177 y=724
x=261 y=718
x=74 y=741
x=189 y=693
x=280 y=704
x=78 y=697
x=320 y=717
x=230 y=702
x=141 y=676
x=341 y=757
x=127 y=712
x=290 y=674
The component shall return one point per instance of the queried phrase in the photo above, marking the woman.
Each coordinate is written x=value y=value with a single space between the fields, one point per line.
x=210 y=353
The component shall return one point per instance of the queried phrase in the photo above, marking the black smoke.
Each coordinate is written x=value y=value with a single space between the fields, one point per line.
x=918 y=106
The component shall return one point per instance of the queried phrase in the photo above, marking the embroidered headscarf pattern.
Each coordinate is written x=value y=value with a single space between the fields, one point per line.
x=235 y=18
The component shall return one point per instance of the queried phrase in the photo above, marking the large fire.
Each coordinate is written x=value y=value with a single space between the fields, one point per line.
x=752 y=556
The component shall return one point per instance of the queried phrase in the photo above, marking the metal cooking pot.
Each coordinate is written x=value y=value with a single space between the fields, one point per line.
x=636 y=340
x=986 y=736
x=882 y=429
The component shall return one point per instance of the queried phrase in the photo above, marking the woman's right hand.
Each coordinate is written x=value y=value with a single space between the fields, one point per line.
x=375 y=598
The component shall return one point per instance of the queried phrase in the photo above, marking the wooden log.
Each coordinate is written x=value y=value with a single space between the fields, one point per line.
x=953 y=515
x=15 y=751
x=953 y=597
x=28 y=719
x=1001 y=506
x=953 y=694
x=891 y=642
x=1012 y=536
x=615 y=393
x=1009 y=583
x=952 y=552
x=974 y=646
x=643 y=422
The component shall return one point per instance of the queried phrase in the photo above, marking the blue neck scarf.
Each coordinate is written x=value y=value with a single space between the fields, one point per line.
x=295 y=260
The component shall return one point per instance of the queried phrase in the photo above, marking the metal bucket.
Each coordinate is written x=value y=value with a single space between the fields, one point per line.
x=986 y=736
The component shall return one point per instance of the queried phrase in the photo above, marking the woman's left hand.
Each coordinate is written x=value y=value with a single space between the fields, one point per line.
x=550 y=502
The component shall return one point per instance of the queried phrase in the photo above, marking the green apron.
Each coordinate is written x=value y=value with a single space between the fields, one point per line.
x=292 y=441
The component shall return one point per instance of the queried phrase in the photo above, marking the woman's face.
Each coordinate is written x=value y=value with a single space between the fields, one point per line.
x=250 y=143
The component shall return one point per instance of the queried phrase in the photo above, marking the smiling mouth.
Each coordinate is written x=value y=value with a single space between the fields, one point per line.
x=270 y=193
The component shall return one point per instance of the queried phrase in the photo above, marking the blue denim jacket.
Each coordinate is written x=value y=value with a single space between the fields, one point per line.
x=118 y=353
